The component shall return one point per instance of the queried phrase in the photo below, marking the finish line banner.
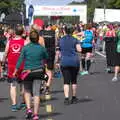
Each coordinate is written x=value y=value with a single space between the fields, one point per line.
x=69 y=10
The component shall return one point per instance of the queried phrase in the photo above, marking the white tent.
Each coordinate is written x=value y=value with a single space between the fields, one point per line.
x=110 y=15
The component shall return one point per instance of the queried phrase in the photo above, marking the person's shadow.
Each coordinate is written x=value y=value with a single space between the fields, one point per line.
x=8 y=118
x=2 y=100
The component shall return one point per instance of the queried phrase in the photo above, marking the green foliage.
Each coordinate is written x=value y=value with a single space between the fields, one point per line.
x=10 y=5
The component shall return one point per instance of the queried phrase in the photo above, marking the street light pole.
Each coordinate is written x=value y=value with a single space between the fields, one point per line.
x=104 y=10
x=22 y=13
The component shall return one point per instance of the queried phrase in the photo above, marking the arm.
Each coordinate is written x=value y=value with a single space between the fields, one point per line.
x=6 y=51
x=41 y=41
x=80 y=34
x=27 y=41
x=78 y=48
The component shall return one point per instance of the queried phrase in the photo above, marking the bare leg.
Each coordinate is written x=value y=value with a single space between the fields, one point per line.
x=28 y=99
x=116 y=71
x=13 y=93
x=74 y=89
x=66 y=90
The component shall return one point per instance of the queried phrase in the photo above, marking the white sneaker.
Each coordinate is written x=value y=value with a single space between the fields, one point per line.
x=114 y=79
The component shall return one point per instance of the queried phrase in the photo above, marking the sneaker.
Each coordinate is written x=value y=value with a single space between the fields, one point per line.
x=23 y=106
x=28 y=114
x=84 y=73
x=15 y=108
x=74 y=100
x=115 y=79
x=66 y=101
x=108 y=70
x=47 y=91
x=35 y=117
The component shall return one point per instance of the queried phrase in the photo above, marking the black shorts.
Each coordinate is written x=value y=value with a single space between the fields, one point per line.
x=50 y=64
x=51 y=58
x=70 y=74
x=86 y=50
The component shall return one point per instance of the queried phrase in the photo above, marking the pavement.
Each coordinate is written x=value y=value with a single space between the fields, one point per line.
x=99 y=98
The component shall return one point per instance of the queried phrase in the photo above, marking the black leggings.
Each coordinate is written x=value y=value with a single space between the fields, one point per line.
x=70 y=74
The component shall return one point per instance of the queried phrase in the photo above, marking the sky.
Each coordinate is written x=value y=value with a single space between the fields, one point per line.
x=51 y=2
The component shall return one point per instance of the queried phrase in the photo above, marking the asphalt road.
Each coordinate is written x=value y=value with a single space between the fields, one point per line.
x=99 y=98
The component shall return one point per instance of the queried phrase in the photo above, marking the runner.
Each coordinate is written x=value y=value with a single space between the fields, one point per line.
x=12 y=53
x=87 y=45
x=49 y=39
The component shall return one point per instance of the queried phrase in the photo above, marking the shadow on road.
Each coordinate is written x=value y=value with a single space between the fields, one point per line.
x=2 y=100
x=84 y=100
x=93 y=73
x=8 y=118
x=57 y=91
x=45 y=116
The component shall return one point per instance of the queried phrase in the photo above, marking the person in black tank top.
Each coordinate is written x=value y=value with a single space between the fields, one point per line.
x=49 y=39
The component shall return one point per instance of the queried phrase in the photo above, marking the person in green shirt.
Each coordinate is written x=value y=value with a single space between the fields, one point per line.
x=33 y=55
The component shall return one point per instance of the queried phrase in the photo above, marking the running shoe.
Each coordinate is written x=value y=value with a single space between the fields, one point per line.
x=35 y=117
x=28 y=114
x=47 y=91
x=23 y=106
x=66 y=101
x=84 y=73
x=15 y=108
x=74 y=100
x=114 y=79
x=108 y=70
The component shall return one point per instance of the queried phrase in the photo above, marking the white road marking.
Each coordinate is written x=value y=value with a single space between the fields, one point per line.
x=100 y=54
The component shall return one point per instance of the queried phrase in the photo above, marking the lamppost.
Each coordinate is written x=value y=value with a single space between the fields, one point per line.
x=22 y=13
x=104 y=9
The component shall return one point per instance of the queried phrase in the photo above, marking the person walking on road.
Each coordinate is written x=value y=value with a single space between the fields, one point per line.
x=33 y=55
x=87 y=47
x=117 y=56
x=70 y=63
x=110 y=47
x=12 y=53
x=49 y=40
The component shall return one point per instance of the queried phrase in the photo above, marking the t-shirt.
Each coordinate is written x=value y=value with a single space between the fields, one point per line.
x=32 y=55
x=15 y=47
x=110 y=33
x=49 y=39
x=69 y=55
x=88 y=37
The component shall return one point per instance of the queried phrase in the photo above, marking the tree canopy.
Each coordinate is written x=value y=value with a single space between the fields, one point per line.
x=7 y=6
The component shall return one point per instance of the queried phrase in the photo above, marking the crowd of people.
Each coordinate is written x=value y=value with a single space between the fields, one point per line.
x=34 y=53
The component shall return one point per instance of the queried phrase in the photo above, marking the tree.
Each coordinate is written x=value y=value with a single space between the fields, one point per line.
x=114 y=4
x=8 y=6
